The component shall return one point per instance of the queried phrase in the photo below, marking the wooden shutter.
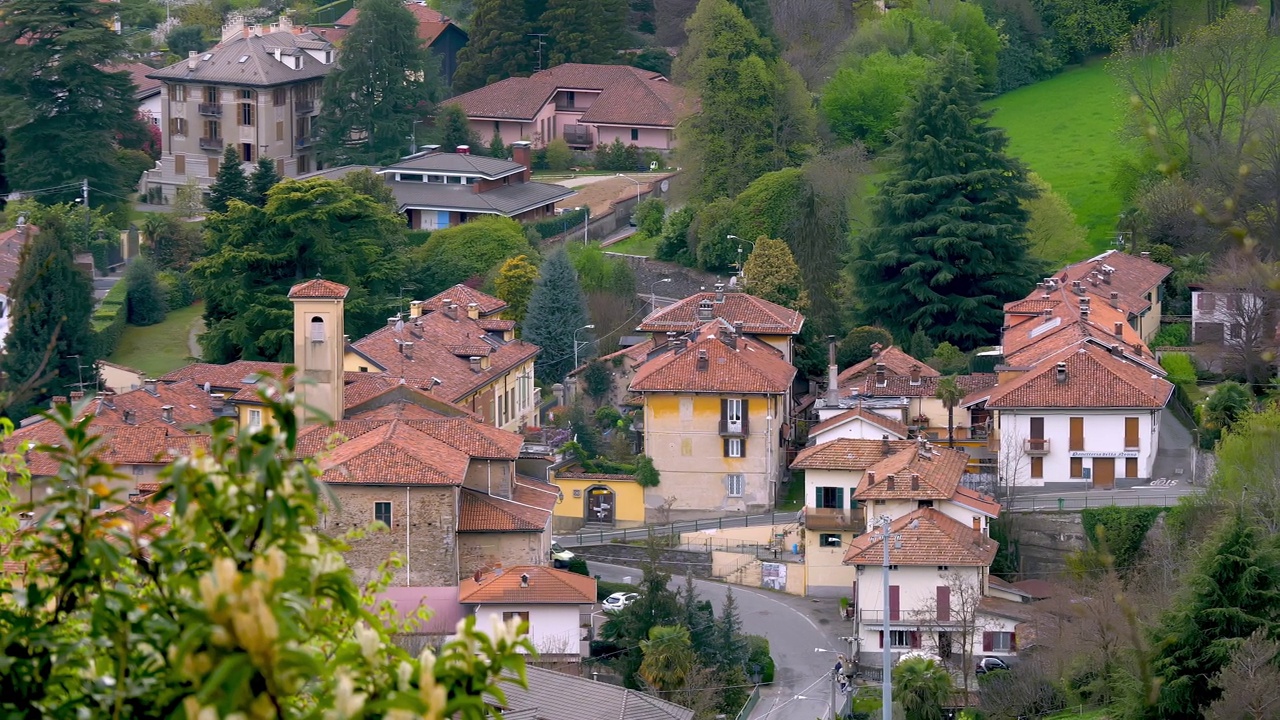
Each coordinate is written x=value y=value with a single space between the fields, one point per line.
x=988 y=641
x=1037 y=428
x=1077 y=467
x=944 y=603
x=839 y=497
x=179 y=164
x=881 y=634
x=1037 y=466
x=213 y=166
x=1013 y=642
x=817 y=494
x=893 y=602
x=1208 y=301
x=279 y=131
x=746 y=415
x=1131 y=467
x=725 y=442
x=742 y=447
x=1131 y=432
x=915 y=639
x=724 y=414
x=1077 y=433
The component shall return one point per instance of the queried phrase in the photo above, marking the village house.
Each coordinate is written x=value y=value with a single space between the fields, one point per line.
x=585 y=105
x=148 y=92
x=554 y=605
x=257 y=90
x=1133 y=281
x=595 y=501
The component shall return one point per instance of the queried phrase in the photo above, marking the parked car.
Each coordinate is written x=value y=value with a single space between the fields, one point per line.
x=990 y=664
x=619 y=600
x=559 y=556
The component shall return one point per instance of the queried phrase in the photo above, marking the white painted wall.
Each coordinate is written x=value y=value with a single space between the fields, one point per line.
x=554 y=629
x=1222 y=308
x=917 y=593
x=856 y=428
x=813 y=479
x=1103 y=437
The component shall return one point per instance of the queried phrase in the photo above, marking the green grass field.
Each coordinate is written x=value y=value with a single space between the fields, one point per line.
x=1065 y=129
x=635 y=245
x=158 y=349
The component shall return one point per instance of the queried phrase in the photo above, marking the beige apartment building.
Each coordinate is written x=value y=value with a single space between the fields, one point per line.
x=258 y=90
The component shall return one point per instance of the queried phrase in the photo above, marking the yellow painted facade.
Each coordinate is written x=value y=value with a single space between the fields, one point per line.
x=571 y=510
x=682 y=435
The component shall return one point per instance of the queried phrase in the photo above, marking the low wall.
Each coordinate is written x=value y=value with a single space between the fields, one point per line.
x=749 y=571
x=676 y=562
x=1045 y=540
x=723 y=537
x=607 y=223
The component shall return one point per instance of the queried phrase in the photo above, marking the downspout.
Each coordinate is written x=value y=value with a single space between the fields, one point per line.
x=406 y=536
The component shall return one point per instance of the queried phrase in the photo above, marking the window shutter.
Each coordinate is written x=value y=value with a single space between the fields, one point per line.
x=725 y=442
x=1013 y=642
x=817 y=497
x=881 y=634
x=893 y=602
x=988 y=640
x=746 y=416
x=944 y=603
x=839 y=497
x=915 y=639
x=742 y=447
x=1209 y=301
x=724 y=414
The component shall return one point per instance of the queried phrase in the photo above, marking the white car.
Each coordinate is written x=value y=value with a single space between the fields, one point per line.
x=619 y=600
x=559 y=556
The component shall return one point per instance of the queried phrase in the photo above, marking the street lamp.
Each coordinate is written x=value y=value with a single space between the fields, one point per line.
x=586 y=223
x=637 y=182
x=741 y=265
x=653 y=298
x=579 y=344
x=413 y=138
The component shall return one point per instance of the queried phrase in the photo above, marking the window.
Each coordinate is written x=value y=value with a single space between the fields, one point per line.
x=177 y=126
x=435 y=178
x=1235 y=331
x=829 y=539
x=303 y=127
x=944 y=568
x=304 y=164
x=279 y=95
x=635 y=134
x=317 y=329
x=733 y=447
x=178 y=93
x=736 y=484
x=246 y=114
x=829 y=497
x=382 y=513
x=1076 y=438
x=210 y=94
x=246 y=152
x=407 y=177
x=497 y=128
x=1130 y=433
x=1037 y=467
x=522 y=617
x=900 y=638
x=255 y=419
x=138 y=470
x=999 y=642
x=732 y=413
x=212 y=129
x=214 y=163
x=1077 y=467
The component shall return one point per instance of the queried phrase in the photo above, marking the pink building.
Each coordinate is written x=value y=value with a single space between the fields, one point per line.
x=587 y=105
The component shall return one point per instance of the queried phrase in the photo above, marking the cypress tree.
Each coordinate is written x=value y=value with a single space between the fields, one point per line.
x=497 y=48
x=263 y=177
x=385 y=79
x=144 y=296
x=52 y=301
x=1234 y=591
x=230 y=184
x=497 y=149
x=557 y=310
x=455 y=129
x=947 y=246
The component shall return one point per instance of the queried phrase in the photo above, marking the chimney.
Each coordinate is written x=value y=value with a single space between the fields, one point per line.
x=57 y=400
x=522 y=152
x=833 y=372
x=524 y=580
x=1145 y=254
x=407 y=349
x=463 y=150
x=475 y=364
x=77 y=395
x=473 y=311
x=1115 y=299
x=737 y=326
x=915 y=481
x=1077 y=287
x=703 y=362
x=890 y=481
x=149 y=386
x=871 y=477
x=166 y=413
x=884 y=444
x=450 y=310
x=880 y=378
x=477 y=575
x=677 y=344
x=705 y=310
x=391 y=321
x=671 y=337
x=130 y=417
x=915 y=374
x=1084 y=312
x=719 y=292
x=415 y=309
x=875 y=350
x=1119 y=329
x=191 y=59
x=1117 y=350
x=109 y=399
x=1062 y=372
x=216 y=402
x=728 y=337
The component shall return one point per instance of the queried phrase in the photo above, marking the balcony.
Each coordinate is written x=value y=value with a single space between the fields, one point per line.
x=839 y=519
x=211 y=109
x=304 y=107
x=734 y=427
x=306 y=141
x=577 y=136
x=1036 y=446
x=923 y=619
x=211 y=143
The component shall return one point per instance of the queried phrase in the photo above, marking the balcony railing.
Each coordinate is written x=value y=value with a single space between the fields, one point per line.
x=733 y=427
x=211 y=143
x=1036 y=446
x=577 y=135
x=835 y=519
x=914 y=619
x=211 y=109
x=304 y=107
x=306 y=141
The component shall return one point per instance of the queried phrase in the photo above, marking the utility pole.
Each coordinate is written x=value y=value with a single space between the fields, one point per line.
x=886 y=673
x=84 y=198
x=539 y=36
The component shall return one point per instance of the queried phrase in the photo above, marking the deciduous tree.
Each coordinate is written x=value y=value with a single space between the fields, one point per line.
x=862 y=101
x=1053 y=235
x=947 y=246
x=514 y=286
x=557 y=314
x=771 y=273
x=856 y=346
x=384 y=80
x=466 y=251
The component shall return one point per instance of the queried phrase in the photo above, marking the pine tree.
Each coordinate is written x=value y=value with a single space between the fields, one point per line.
x=385 y=80
x=50 y=336
x=144 y=296
x=730 y=649
x=497 y=149
x=497 y=48
x=455 y=129
x=1233 y=592
x=61 y=111
x=557 y=311
x=947 y=245
x=230 y=184
x=583 y=31
x=264 y=176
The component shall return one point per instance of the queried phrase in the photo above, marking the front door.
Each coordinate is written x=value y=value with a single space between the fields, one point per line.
x=1104 y=473
x=600 y=505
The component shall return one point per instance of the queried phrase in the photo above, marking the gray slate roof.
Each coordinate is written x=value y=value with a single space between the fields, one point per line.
x=507 y=200
x=557 y=696
x=337 y=173
x=261 y=69
x=443 y=162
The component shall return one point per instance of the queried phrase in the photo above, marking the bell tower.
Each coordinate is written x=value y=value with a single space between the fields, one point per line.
x=318 y=347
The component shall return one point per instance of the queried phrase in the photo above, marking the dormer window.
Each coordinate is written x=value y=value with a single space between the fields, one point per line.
x=317 y=329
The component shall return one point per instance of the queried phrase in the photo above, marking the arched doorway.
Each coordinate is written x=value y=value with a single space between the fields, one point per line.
x=601 y=505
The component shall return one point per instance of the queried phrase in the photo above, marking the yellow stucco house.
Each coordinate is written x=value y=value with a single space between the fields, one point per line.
x=595 y=499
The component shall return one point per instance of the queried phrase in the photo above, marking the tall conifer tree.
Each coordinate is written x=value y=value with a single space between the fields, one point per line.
x=579 y=31
x=264 y=176
x=947 y=246
x=498 y=47
x=385 y=79
x=230 y=184
x=557 y=310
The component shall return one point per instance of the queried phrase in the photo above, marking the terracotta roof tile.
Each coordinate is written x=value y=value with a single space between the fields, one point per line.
x=394 y=454
x=975 y=500
x=1095 y=379
x=758 y=316
x=231 y=376
x=138 y=74
x=937 y=472
x=1030 y=338
x=431 y=22
x=398 y=410
x=710 y=365
x=935 y=540
x=462 y=296
x=190 y=406
x=848 y=454
x=319 y=288
x=870 y=416
x=895 y=361
x=1131 y=276
x=465 y=435
x=898 y=386
x=546 y=585
x=479 y=512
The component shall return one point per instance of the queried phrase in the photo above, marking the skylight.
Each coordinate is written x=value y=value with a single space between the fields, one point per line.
x=1045 y=327
x=243 y=58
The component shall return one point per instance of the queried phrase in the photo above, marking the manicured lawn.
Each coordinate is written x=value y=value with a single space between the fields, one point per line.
x=635 y=245
x=1065 y=129
x=158 y=349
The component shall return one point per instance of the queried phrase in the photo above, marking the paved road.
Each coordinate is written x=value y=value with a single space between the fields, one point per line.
x=795 y=627
x=597 y=537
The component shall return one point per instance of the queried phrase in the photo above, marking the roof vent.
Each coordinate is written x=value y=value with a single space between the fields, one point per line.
x=130 y=417
x=702 y=360
x=1062 y=372
x=915 y=481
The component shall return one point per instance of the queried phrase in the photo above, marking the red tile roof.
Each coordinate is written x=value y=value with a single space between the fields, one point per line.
x=1027 y=341
x=899 y=386
x=190 y=406
x=936 y=471
x=545 y=586
x=231 y=376
x=394 y=454
x=431 y=22
x=138 y=74
x=488 y=513
x=156 y=444
x=872 y=417
x=975 y=500
x=627 y=96
x=1095 y=379
x=935 y=539
x=895 y=361
x=319 y=288
x=710 y=365
x=11 y=243
x=463 y=434
x=462 y=296
x=758 y=316
x=848 y=454
x=1131 y=276
x=399 y=410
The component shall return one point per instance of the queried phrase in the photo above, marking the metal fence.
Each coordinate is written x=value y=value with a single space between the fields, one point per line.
x=674 y=529
x=750 y=705
x=1048 y=503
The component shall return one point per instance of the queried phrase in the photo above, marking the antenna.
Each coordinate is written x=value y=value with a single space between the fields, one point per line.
x=539 y=36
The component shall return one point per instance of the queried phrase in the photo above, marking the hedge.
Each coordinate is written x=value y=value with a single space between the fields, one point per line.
x=1124 y=529
x=1182 y=373
x=177 y=289
x=553 y=226
x=108 y=320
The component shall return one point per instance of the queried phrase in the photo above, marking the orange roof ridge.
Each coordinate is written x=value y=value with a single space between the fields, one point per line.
x=319 y=288
x=545 y=586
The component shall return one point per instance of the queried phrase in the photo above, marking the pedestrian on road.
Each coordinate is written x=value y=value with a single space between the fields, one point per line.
x=840 y=674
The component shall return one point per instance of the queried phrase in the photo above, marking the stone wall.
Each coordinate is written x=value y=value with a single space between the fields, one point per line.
x=1045 y=539
x=432 y=514
x=676 y=562
x=479 y=550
